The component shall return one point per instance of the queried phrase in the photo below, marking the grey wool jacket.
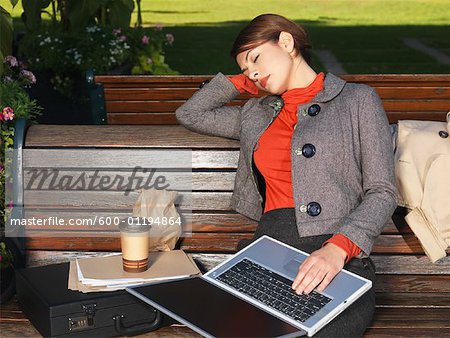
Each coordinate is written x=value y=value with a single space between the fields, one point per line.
x=341 y=155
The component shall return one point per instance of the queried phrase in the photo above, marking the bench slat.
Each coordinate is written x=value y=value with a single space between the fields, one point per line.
x=173 y=94
x=196 y=181
x=170 y=106
x=142 y=118
x=96 y=239
x=116 y=199
x=170 y=119
x=118 y=159
x=413 y=300
x=201 y=221
x=110 y=136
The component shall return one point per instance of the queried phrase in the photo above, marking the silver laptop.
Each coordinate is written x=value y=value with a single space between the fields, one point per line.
x=250 y=295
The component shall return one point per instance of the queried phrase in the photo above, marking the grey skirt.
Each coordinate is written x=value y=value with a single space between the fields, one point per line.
x=280 y=224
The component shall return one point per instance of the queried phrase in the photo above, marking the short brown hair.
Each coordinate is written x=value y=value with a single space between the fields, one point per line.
x=267 y=27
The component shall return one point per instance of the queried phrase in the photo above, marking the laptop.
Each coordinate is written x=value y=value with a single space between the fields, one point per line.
x=250 y=295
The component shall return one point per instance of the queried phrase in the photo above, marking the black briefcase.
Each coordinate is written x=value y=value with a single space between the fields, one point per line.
x=56 y=311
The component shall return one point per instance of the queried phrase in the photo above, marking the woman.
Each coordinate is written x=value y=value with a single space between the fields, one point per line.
x=316 y=161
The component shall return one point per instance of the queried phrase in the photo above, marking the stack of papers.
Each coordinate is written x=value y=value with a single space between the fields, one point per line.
x=106 y=273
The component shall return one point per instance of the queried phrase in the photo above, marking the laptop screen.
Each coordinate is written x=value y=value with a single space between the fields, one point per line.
x=212 y=311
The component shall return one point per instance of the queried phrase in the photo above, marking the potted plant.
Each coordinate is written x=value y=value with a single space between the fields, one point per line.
x=14 y=103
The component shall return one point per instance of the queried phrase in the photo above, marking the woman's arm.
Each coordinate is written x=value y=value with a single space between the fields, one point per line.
x=366 y=221
x=205 y=112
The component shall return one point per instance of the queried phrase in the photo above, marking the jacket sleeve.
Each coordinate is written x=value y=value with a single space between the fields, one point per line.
x=364 y=224
x=205 y=112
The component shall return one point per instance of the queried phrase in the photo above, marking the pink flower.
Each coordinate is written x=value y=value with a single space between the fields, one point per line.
x=117 y=31
x=149 y=61
x=8 y=113
x=158 y=27
x=170 y=38
x=145 y=40
x=11 y=60
x=123 y=38
x=10 y=205
x=29 y=76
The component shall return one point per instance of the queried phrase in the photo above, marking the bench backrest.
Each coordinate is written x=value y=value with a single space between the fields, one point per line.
x=149 y=99
x=119 y=149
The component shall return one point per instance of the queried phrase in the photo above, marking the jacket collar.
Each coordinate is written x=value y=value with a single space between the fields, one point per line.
x=332 y=86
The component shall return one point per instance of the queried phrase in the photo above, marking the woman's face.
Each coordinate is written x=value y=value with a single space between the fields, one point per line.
x=269 y=65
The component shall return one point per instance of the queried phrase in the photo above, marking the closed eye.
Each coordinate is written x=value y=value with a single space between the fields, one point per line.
x=256 y=58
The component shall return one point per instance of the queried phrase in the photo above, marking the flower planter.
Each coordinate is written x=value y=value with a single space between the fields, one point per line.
x=57 y=108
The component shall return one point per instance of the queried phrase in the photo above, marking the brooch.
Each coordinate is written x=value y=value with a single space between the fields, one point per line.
x=277 y=105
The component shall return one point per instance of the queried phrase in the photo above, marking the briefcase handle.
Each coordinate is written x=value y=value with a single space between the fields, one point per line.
x=138 y=328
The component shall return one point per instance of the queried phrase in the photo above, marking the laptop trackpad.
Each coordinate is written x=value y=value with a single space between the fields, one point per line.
x=292 y=266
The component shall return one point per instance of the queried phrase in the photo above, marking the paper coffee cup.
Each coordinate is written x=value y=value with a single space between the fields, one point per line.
x=134 y=242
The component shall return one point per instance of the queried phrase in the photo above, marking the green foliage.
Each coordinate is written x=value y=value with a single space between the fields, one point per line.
x=147 y=56
x=75 y=15
x=14 y=103
x=6 y=257
x=32 y=10
x=68 y=55
x=6 y=35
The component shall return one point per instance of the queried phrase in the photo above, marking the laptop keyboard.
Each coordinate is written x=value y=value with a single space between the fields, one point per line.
x=272 y=290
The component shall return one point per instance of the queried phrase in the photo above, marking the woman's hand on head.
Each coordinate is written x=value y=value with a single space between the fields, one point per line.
x=319 y=269
x=244 y=84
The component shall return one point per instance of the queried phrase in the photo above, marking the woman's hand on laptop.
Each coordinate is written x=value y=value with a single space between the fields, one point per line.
x=319 y=269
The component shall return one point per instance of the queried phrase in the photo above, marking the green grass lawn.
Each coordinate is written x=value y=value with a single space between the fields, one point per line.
x=365 y=35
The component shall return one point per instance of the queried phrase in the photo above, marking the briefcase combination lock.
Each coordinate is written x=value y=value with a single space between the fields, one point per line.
x=83 y=322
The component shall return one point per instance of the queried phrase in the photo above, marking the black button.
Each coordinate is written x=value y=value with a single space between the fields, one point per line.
x=308 y=150
x=443 y=134
x=314 y=209
x=203 y=83
x=313 y=110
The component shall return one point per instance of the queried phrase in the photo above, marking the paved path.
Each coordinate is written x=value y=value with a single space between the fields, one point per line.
x=433 y=52
x=330 y=62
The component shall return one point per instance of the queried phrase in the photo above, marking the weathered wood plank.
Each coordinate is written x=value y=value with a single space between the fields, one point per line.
x=195 y=242
x=407 y=332
x=411 y=317
x=161 y=94
x=117 y=199
x=201 y=221
x=36 y=179
x=138 y=159
x=413 y=300
x=156 y=118
x=160 y=106
x=110 y=136
x=171 y=106
x=413 y=283
x=390 y=265
x=142 y=118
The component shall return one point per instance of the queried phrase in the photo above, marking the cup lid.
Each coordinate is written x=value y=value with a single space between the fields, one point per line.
x=135 y=224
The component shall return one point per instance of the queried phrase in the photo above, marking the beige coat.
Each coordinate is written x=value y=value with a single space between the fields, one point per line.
x=422 y=166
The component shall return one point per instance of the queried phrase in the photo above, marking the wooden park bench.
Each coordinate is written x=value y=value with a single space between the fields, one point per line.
x=125 y=99
x=413 y=295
